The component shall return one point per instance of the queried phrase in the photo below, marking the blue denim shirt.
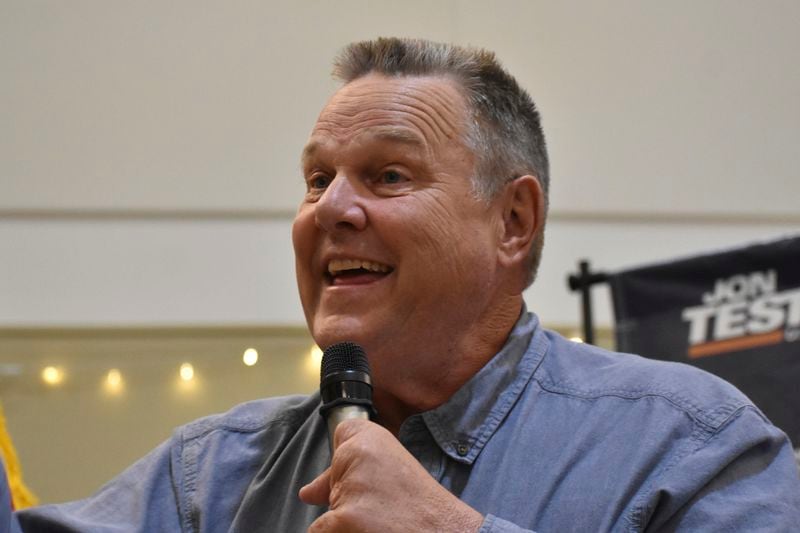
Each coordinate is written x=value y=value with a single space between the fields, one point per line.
x=549 y=436
x=8 y=522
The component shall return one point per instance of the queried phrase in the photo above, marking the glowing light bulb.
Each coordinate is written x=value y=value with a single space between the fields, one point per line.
x=52 y=375
x=576 y=339
x=250 y=356
x=113 y=383
x=114 y=377
x=187 y=372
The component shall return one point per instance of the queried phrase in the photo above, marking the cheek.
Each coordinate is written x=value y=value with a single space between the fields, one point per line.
x=448 y=256
x=303 y=236
x=449 y=236
x=431 y=225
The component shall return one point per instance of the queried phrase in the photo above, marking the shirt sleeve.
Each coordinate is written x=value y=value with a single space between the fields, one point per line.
x=8 y=522
x=743 y=477
x=144 y=498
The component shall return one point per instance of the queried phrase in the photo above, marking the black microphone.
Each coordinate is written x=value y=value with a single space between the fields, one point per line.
x=345 y=386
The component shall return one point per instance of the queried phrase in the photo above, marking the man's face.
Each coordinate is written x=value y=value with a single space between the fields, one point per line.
x=393 y=251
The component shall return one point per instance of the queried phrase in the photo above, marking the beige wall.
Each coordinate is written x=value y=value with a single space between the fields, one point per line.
x=73 y=437
x=671 y=107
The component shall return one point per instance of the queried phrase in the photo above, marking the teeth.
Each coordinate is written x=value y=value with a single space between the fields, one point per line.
x=336 y=266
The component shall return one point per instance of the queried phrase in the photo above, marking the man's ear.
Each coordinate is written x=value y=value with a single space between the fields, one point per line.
x=523 y=219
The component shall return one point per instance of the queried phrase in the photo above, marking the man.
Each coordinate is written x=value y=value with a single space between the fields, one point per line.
x=426 y=178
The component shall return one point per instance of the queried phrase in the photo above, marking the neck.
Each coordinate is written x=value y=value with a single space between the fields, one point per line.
x=430 y=377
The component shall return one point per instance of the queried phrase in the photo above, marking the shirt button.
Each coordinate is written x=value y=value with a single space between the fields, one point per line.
x=462 y=449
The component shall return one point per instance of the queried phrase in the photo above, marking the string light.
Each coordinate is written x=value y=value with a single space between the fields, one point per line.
x=52 y=376
x=250 y=357
x=187 y=372
x=113 y=382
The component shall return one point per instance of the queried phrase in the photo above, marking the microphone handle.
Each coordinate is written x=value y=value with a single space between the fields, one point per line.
x=339 y=414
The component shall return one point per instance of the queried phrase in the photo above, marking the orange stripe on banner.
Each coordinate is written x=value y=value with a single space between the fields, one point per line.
x=735 y=345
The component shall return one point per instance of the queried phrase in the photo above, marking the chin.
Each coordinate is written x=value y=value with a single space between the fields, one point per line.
x=330 y=330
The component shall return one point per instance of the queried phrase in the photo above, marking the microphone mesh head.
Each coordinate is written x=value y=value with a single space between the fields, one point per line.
x=343 y=356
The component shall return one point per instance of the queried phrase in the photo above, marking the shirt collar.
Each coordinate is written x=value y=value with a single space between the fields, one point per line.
x=462 y=425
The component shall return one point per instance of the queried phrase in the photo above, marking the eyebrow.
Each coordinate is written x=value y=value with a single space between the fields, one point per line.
x=382 y=133
x=400 y=135
x=308 y=152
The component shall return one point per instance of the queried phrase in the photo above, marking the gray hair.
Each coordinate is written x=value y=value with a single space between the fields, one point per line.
x=504 y=133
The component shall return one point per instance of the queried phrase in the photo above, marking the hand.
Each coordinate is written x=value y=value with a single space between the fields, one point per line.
x=374 y=484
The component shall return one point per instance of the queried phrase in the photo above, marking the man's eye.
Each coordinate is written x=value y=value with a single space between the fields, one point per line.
x=320 y=181
x=391 y=177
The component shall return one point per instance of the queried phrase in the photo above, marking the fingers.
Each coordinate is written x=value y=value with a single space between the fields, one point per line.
x=327 y=523
x=375 y=484
x=318 y=491
x=354 y=443
x=349 y=429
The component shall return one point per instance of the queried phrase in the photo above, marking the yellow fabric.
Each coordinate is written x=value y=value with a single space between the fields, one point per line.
x=21 y=496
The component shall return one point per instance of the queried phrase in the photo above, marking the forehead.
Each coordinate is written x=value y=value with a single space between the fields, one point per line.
x=426 y=111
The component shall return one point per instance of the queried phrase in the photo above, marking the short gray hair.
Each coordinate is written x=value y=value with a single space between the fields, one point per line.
x=505 y=132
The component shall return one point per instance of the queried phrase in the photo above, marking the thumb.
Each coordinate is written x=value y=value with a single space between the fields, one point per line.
x=318 y=491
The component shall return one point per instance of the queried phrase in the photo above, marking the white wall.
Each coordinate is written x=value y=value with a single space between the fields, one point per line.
x=150 y=273
x=148 y=150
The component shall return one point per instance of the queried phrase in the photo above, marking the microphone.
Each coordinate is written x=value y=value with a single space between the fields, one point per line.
x=345 y=386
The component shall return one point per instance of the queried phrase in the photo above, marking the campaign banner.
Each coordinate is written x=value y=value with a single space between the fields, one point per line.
x=735 y=313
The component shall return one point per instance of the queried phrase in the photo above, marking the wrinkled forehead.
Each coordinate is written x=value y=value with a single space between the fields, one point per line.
x=427 y=110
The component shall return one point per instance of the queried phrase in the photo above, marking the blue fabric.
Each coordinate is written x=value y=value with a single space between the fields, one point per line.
x=549 y=436
x=8 y=522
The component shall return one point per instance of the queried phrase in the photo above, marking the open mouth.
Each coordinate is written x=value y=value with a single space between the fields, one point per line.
x=355 y=271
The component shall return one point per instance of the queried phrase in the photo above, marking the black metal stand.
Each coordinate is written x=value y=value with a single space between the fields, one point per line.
x=583 y=281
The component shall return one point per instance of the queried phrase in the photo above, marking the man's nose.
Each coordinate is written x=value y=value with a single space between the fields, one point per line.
x=341 y=206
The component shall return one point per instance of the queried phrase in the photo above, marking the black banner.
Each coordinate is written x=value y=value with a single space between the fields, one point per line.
x=735 y=313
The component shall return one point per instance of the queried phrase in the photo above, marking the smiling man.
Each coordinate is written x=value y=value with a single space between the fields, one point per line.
x=426 y=181
x=395 y=249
